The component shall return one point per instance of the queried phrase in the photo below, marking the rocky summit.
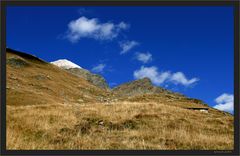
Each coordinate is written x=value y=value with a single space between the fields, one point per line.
x=139 y=87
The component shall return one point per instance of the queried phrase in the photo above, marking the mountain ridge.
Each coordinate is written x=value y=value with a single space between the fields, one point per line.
x=129 y=89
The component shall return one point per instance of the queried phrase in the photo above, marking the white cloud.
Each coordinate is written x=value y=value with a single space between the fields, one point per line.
x=162 y=77
x=99 y=68
x=92 y=28
x=127 y=45
x=180 y=78
x=144 y=57
x=224 y=102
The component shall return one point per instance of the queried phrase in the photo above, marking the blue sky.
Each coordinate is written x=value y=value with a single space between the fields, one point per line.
x=184 y=49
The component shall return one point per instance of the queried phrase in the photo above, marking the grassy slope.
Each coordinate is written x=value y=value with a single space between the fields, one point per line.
x=27 y=85
x=39 y=117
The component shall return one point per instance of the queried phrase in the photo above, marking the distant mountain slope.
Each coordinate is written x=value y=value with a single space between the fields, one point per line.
x=75 y=69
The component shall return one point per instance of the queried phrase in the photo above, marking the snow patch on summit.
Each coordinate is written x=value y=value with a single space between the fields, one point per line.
x=64 y=63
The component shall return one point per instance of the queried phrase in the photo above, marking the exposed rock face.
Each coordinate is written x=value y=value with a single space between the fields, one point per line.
x=139 y=87
x=95 y=79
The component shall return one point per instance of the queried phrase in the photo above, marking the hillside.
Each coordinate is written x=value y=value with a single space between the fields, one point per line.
x=52 y=108
x=29 y=79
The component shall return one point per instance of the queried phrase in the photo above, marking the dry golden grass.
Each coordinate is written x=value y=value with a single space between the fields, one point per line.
x=116 y=126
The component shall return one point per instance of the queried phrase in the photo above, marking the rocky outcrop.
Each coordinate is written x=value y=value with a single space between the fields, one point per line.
x=95 y=79
x=137 y=87
x=140 y=87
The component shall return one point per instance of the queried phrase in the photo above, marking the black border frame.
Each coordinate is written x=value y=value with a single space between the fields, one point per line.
x=5 y=3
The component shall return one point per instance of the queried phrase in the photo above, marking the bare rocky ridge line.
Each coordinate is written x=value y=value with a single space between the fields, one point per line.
x=95 y=79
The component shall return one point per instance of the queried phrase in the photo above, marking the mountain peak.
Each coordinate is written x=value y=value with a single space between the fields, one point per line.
x=136 y=87
x=145 y=80
x=66 y=64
